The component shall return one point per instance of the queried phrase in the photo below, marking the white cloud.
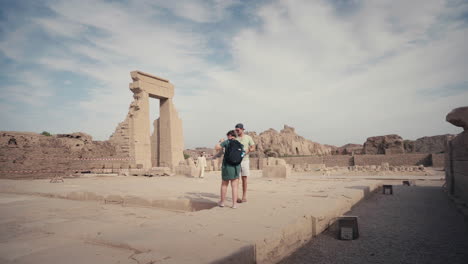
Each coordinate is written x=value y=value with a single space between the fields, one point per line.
x=337 y=76
x=31 y=89
x=200 y=11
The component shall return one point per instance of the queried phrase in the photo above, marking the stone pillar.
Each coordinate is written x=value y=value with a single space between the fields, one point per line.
x=132 y=137
x=170 y=135
x=141 y=130
x=457 y=155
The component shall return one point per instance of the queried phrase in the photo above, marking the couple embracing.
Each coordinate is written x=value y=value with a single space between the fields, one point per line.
x=236 y=163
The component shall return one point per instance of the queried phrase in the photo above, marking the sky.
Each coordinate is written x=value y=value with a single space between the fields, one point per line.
x=338 y=71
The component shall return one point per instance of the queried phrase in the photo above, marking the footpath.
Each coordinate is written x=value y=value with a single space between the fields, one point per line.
x=417 y=224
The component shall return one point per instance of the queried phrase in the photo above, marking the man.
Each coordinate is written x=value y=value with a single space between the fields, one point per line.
x=201 y=162
x=249 y=146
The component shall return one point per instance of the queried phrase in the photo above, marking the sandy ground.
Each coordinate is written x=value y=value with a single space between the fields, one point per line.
x=418 y=224
x=166 y=219
x=172 y=219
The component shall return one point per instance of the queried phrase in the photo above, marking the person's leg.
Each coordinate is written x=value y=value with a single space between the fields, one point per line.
x=244 y=188
x=238 y=189
x=245 y=173
x=234 y=186
x=224 y=185
x=202 y=172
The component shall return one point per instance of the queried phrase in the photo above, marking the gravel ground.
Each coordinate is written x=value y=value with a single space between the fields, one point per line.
x=418 y=224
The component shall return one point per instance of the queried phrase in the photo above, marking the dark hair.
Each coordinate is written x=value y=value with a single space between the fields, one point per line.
x=231 y=133
x=240 y=125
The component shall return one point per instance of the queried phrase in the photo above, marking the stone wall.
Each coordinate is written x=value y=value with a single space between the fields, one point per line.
x=393 y=160
x=365 y=160
x=340 y=161
x=304 y=160
x=457 y=180
x=31 y=155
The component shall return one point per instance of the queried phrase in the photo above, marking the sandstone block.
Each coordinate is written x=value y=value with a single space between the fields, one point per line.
x=276 y=171
x=187 y=170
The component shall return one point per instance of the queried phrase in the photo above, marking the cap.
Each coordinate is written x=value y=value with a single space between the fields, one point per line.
x=241 y=126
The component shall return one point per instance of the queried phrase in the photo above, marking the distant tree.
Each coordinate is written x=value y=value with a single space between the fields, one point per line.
x=186 y=156
x=45 y=133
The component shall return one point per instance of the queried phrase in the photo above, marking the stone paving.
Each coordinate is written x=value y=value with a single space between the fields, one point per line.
x=418 y=224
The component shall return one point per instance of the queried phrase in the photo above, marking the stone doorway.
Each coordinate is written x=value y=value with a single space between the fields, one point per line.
x=164 y=148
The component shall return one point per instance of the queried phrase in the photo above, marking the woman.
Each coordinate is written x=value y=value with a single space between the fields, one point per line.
x=229 y=173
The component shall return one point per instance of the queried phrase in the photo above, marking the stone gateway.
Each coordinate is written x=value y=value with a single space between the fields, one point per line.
x=132 y=137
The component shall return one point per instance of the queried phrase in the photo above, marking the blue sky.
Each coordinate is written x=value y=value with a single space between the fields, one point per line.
x=338 y=71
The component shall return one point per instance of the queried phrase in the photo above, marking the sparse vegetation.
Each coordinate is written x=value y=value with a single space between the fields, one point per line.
x=45 y=133
x=186 y=156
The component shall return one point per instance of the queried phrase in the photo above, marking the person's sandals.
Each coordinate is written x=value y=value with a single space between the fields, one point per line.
x=220 y=204
x=233 y=207
x=244 y=200
x=239 y=201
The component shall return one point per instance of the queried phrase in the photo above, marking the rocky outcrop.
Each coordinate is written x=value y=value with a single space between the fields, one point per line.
x=286 y=143
x=434 y=144
x=388 y=144
x=348 y=149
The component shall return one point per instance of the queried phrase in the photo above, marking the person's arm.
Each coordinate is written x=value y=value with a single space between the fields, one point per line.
x=218 y=146
x=251 y=148
x=251 y=145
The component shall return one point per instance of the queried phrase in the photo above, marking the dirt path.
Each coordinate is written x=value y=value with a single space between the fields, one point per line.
x=418 y=224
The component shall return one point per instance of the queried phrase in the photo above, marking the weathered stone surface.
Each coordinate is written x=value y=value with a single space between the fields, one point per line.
x=388 y=144
x=187 y=168
x=276 y=168
x=25 y=151
x=457 y=156
x=348 y=149
x=434 y=144
x=286 y=142
x=458 y=117
x=165 y=147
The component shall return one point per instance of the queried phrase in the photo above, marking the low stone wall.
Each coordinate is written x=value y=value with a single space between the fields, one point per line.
x=304 y=160
x=394 y=160
x=364 y=160
x=340 y=161
x=45 y=168
x=316 y=162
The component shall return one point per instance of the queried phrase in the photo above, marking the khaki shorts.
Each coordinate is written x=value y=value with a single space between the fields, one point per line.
x=245 y=168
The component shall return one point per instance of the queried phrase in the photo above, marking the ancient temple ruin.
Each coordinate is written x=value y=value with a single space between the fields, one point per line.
x=164 y=148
